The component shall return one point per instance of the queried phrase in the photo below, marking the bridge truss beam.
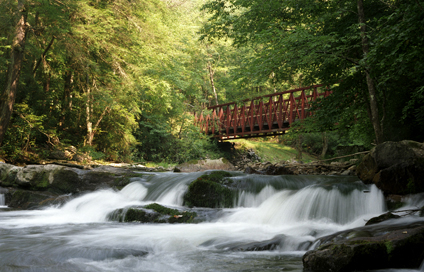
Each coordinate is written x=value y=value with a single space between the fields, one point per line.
x=267 y=115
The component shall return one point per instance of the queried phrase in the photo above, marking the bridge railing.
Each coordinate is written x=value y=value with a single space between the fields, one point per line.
x=260 y=116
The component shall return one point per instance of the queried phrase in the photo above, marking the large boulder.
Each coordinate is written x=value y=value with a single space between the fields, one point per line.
x=368 y=248
x=27 y=200
x=210 y=191
x=33 y=186
x=394 y=167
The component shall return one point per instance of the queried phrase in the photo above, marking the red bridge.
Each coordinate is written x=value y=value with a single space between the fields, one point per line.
x=262 y=116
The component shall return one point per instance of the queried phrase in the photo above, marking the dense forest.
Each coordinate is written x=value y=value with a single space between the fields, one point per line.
x=120 y=80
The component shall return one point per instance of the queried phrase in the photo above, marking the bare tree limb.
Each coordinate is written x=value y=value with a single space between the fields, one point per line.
x=43 y=55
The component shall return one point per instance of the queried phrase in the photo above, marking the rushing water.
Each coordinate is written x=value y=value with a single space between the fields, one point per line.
x=78 y=237
x=2 y=200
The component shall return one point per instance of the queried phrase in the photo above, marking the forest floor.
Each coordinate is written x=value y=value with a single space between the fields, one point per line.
x=271 y=151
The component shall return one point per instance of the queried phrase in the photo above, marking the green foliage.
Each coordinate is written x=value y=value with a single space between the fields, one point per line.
x=325 y=47
x=91 y=151
x=134 y=72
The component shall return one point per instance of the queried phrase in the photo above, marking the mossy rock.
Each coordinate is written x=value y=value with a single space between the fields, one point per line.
x=172 y=215
x=396 y=246
x=152 y=213
x=381 y=218
x=133 y=215
x=210 y=191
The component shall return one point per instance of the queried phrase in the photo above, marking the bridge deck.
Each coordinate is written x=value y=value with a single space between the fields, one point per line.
x=256 y=118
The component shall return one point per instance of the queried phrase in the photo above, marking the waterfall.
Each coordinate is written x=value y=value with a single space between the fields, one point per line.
x=2 y=200
x=290 y=211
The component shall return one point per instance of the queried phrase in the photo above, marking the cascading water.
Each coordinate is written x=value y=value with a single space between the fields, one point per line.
x=78 y=237
x=2 y=200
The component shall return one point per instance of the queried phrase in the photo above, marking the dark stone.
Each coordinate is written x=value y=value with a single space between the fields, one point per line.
x=394 y=167
x=278 y=170
x=24 y=199
x=376 y=248
x=209 y=191
x=381 y=218
x=270 y=244
x=250 y=170
x=152 y=213
x=133 y=215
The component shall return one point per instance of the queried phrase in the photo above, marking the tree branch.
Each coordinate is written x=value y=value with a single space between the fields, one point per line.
x=43 y=55
x=339 y=56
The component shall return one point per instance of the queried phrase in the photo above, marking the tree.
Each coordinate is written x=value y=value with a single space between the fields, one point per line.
x=339 y=43
x=14 y=70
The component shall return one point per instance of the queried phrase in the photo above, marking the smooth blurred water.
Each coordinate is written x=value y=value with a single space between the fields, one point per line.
x=78 y=237
x=2 y=200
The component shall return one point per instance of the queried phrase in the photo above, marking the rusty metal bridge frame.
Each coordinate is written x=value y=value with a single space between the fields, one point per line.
x=256 y=118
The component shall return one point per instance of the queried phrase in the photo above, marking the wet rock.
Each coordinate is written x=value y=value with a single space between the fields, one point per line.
x=210 y=191
x=394 y=202
x=381 y=218
x=27 y=200
x=297 y=168
x=152 y=213
x=270 y=244
x=394 y=167
x=278 y=170
x=372 y=248
x=250 y=170
x=35 y=183
x=133 y=215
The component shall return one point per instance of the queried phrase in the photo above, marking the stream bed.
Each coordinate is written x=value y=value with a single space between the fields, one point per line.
x=77 y=236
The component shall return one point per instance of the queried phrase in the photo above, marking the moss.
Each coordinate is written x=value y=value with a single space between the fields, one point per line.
x=161 y=214
x=217 y=176
x=192 y=162
x=410 y=187
x=175 y=216
x=131 y=215
x=389 y=247
x=209 y=191
x=224 y=160
x=161 y=209
x=41 y=184
x=135 y=215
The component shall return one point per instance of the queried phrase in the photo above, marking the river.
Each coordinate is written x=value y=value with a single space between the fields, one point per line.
x=77 y=236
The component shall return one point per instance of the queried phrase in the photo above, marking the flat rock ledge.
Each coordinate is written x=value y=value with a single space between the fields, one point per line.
x=296 y=168
x=371 y=247
x=34 y=186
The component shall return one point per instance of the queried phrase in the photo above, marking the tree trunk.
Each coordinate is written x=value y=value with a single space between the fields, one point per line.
x=13 y=72
x=299 y=141
x=375 y=120
x=324 y=144
x=67 y=96
x=211 y=73
x=88 y=112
